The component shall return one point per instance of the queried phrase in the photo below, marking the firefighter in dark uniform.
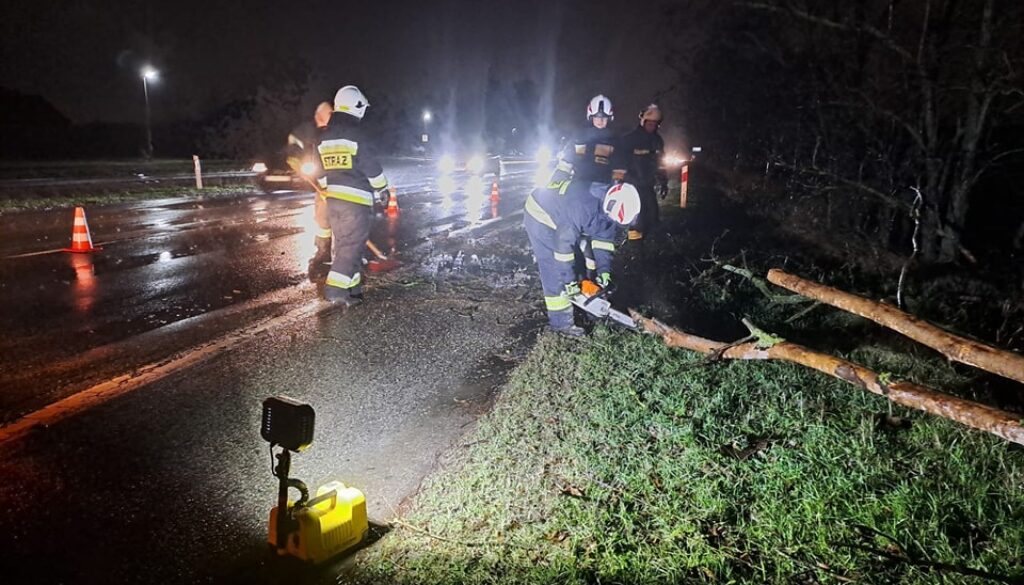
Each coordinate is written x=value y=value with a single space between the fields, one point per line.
x=302 y=150
x=642 y=149
x=591 y=158
x=556 y=219
x=352 y=181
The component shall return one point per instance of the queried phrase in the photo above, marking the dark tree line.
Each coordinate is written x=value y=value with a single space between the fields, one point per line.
x=890 y=109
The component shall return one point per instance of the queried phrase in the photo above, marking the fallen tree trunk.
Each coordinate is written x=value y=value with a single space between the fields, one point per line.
x=1004 y=363
x=978 y=416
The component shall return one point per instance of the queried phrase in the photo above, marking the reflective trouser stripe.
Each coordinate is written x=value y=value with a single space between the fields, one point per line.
x=350 y=194
x=603 y=245
x=339 y=280
x=559 y=303
x=565 y=257
x=537 y=212
x=323 y=233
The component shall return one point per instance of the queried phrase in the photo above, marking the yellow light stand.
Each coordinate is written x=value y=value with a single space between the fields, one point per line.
x=329 y=524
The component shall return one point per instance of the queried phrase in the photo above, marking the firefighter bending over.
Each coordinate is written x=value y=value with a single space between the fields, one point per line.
x=301 y=150
x=556 y=220
x=351 y=181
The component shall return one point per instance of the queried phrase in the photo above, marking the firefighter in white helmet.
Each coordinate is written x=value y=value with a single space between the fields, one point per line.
x=590 y=156
x=642 y=150
x=557 y=220
x=352 y=180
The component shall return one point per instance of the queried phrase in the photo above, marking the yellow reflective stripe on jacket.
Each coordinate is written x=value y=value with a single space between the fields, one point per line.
x=561 y=185
x=559 y=303
x=537 y=212
x=560 y=257
x=603 y=245
x=349 y=194
x=339 y=280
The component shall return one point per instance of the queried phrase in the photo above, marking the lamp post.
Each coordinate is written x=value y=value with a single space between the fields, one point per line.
x=148 y=73
x=427 y=117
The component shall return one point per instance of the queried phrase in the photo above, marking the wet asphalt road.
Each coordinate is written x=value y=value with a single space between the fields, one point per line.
x=171 y=483
x=181 y=271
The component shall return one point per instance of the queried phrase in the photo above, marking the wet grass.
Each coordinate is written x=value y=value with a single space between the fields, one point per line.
x=109 y=168
x=58 y=200
x=617 y=460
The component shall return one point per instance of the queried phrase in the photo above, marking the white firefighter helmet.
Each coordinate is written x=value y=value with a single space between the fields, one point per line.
x=600 y=106
x=651 y=112
x=351 y=101
x=622 y=203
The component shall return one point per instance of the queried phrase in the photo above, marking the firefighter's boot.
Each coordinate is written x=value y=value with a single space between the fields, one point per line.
x=320 y=263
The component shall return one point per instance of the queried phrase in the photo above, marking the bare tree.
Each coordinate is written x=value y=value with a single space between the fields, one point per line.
x=897 y=95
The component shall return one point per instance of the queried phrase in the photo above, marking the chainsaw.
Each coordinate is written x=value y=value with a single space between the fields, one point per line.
x=593 y=300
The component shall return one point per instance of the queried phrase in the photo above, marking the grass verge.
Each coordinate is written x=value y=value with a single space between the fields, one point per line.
x=617 y=460
x=114 y=196
x=614 y=459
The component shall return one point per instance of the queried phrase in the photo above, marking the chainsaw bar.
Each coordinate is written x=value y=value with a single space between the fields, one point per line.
x=600 y=307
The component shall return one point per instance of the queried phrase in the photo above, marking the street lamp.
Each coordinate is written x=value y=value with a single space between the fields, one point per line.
x=148 y=74
x=426 y=120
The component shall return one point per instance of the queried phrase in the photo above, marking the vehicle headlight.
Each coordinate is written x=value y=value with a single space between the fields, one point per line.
x=543 y=154
x=475 y=164
x=672 y=160
x=259 y=168
x=446 y=164
x=308 y=168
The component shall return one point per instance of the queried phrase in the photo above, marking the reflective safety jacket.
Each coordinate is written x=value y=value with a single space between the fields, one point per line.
x=590 y=157
x=349 y=173
x=571 y=214
x=642 y=152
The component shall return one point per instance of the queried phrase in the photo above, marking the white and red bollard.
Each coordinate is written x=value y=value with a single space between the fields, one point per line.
x=199 y=171
x=684 y=179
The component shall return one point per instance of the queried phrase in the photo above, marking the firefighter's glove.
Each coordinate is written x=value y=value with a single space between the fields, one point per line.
x=572 y=289
x=604 y=279
x=380 y=199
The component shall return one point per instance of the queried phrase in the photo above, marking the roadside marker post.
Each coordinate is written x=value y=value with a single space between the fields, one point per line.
x=199 y=171
x=684 y=179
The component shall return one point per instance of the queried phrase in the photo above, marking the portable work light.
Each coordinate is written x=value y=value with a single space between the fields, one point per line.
x=287 y=423
x=312 y=529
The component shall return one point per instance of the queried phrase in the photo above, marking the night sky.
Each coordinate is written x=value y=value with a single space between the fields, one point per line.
x=84 y=55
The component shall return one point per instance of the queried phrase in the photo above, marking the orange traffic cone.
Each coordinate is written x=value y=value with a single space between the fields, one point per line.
x=392 y=202
x=81 y=241
x=495 y=196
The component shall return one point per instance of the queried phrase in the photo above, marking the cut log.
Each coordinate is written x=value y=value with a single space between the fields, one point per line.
x=1003 y=424
x=961 y=349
